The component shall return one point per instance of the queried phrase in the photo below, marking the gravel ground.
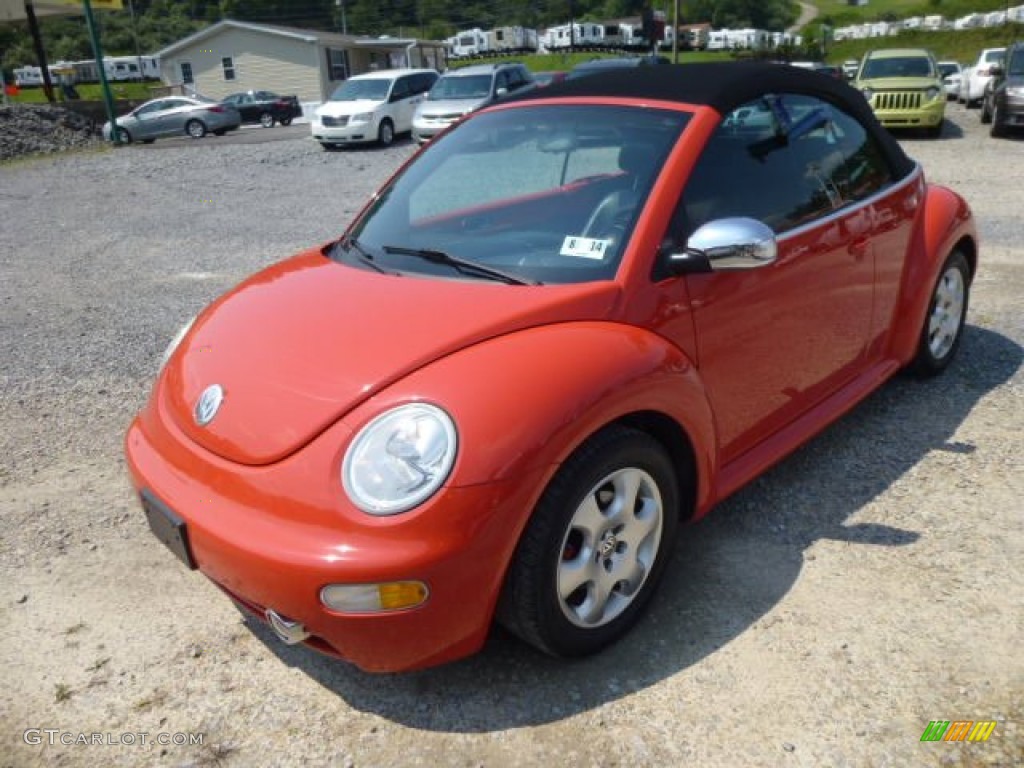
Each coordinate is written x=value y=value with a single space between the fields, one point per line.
x=822 y=616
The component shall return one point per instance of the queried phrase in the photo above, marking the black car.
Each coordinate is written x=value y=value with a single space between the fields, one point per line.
x=1003 y=102
x=597 y=66
x=264 y=107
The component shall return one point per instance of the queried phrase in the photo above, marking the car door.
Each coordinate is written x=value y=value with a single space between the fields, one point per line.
x=150 y=118
x=774 y=341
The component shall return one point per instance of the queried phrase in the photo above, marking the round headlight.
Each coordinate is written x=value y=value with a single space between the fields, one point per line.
x=175 y=342
x=399 y=459
x=868 y=93
x=932 y=93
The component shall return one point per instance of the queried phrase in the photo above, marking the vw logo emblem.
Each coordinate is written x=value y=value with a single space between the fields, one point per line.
x=208 y=404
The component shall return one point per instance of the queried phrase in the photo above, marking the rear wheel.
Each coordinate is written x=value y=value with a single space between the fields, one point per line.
x=386 y=133
x=267 y=120
x=595 y=547
x=944 y=324
x=285 y=121
x=195 y=129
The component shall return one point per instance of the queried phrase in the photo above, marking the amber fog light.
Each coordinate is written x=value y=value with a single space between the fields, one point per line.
x=374 y=598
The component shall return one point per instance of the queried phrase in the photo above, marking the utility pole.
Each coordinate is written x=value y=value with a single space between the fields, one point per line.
x=675 y=33
x=37 y=42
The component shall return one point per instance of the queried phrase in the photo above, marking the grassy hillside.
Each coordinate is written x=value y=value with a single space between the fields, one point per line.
x=954 y=46
x=88 y=92
x=842 y=14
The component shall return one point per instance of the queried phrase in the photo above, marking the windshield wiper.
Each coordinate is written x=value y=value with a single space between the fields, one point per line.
x=465 y=266
x=351 y=244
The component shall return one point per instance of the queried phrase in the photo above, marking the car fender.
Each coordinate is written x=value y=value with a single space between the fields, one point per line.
x=944 y=223
x=525 y=401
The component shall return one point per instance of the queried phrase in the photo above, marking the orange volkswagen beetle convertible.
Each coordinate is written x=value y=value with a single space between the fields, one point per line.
x=577 y=318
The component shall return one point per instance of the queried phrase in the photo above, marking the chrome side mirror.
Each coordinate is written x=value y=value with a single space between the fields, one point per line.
x=727 y=244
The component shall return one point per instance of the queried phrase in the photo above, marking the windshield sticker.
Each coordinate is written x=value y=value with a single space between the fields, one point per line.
x=584 y=247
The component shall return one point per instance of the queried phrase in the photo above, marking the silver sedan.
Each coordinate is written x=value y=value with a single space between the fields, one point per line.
x=175 y=116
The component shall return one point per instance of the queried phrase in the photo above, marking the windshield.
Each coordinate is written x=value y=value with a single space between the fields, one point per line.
x=548 y=193
x=464 y=87
x=375 y=89
x=1016 y=68
x=898 y=66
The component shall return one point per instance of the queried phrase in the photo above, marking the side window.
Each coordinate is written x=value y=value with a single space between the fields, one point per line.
x=501 y=81
x=421 y=83
x=401 y=89
x=784 y=160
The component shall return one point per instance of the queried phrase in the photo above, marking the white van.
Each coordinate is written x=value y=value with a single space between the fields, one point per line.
x=372 y=107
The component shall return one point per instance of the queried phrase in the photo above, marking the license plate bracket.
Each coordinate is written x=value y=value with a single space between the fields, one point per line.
x=168 y=528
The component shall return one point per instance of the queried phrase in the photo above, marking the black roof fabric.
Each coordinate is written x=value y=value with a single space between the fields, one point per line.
x=724 y=86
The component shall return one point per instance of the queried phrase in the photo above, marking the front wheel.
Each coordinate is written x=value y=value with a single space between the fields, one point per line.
x=998 y=129
x=595 y=547
x=195 y=129
x=944 y=324
x=986 y=116
x=285 y=121
x=386 y=133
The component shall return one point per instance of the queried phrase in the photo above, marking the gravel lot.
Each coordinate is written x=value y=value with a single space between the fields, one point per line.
x=823 y=616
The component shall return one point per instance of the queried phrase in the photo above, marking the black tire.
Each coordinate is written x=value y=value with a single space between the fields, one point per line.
x=285 y=121
x=998 y=129
x=986 y=116
x=584 y=621
x=943 y=326
x=386 y=133
x=267 y=120
x=195 y=128
x=124 y=136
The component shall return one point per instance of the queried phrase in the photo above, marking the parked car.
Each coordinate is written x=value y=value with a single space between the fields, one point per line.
x=574 y=320
x=979 y=74
x=601 y=66
x=543 y=79
x=903 y=87
x=950 y=72
x=1003 y=103
x=375 y=106
x=832 y=70
x=460 y=91
x=175 y=116
x=264 y=107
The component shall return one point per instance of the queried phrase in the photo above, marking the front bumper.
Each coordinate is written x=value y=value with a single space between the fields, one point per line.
x=1011 y=110
x=272 y=537
x=350 y=133
x=424 y=129
x=928 y=115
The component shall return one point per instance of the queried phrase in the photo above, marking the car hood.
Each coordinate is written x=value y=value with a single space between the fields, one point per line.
x=899 y=83
x=430 y=108
x=348 y=108
x=297 y=346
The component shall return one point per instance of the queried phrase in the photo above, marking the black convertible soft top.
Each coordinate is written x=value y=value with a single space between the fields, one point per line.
x=724 y=86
